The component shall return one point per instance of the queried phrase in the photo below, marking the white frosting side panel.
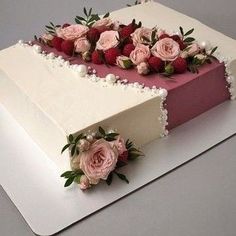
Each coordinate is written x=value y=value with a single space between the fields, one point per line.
x=52 y=101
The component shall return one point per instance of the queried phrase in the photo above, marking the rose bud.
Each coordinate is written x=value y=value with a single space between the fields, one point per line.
x=84 y=182
x=124 y=62
x=143 y=68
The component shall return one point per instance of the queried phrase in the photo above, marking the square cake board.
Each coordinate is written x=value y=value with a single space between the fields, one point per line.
x=32 y=181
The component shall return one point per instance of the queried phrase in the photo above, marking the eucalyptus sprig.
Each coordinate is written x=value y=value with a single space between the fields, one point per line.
x=51 y=28
x=133 y=152
x=186 y=38
x=72 y=176
x=72 y=144
x=89 y=18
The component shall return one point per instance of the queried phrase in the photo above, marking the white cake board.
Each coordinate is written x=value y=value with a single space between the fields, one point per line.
x=32 y=181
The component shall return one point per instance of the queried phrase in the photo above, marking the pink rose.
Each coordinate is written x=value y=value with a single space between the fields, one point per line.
x=143 y=68
x=98 y=161
x=167 y=49
x=120 y=145
x=73 y=32
x=103 y=24
x=84 y=182
x=108 y=39
x=193 y=49
x=141 y=53
x=139 y=35
x=82 y=45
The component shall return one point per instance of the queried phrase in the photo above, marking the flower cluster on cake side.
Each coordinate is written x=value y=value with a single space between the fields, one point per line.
x=101 y=40
x=96 y=156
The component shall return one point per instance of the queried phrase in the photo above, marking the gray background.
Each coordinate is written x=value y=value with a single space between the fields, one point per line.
x=197 y=199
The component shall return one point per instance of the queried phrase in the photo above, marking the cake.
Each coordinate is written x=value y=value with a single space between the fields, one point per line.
x=53 y=95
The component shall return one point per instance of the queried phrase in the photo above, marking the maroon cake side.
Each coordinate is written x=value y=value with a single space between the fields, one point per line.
x=189 y=95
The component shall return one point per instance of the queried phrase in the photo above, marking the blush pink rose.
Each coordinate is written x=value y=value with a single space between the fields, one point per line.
x=193 y=49
x=140 y=34
x=103 y=24
x=82 y=45
x=167 y=49
x=141 y=53
x=73 y=32
x=98 y=162
x=108 y=39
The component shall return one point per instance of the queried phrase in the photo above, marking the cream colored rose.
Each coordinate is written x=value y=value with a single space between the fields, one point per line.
x=193 y=49
x=98 y=162
x=108 y=39
x=167 y=49
x=73 y=32
x=82 y=45
x=103 y=24
x=47 y=37
x=141 y=53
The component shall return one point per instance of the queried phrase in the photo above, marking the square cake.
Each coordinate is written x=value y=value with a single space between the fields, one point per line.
x=53 y=94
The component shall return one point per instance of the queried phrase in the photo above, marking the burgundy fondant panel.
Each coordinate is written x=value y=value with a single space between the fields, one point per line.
x=189 y=94
x=197 y=96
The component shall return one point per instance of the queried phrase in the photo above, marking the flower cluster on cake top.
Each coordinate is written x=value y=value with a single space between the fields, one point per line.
x=96 y=156
x=149 y=50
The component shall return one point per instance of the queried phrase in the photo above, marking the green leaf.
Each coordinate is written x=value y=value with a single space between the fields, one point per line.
x=77 y=179
x=181 y=30
x=189 y=32
x=95 y=17
x=101 y=131
x=35 y=38
x=90 y=11
x=49 y=27
x=106 y=15
x=85 y=11
x=52 y=24
x=71 y=138
x=189 y=40
x=109 y=139
x=154 y=35
x=80 y=136
x=213 y=50
x=80 y=18
x=127 y=64
x=112 y=135
x=66 y=174
x=145 y=39
x=73 y=149
x=134 y=155
x=69 y=181
x=122 y=177
x=65 y=147
x=109 y=179
x=78 y=21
